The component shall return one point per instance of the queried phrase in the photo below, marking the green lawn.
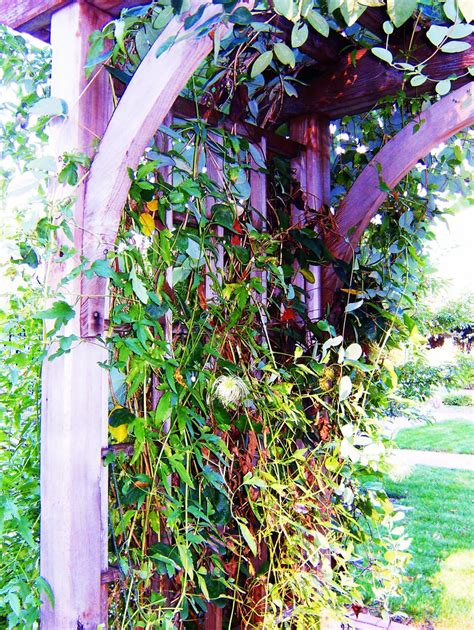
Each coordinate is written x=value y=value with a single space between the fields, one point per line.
x=450 y=436
x=440 y=581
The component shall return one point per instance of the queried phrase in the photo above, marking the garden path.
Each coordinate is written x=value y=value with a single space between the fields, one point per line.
x=435 y=458
x=367 y=622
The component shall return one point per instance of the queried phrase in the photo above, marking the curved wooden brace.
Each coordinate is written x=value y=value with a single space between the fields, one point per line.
x=141 y=110
x=426 y=131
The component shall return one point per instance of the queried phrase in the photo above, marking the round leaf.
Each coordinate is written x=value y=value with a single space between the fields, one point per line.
x=383 y=54
x=443 y=87
x=417 y=80
x=353 y=352
x=436 y=34
x=400 y=11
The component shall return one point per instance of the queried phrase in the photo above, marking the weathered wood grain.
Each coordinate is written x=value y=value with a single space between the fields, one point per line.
x=258 y=201
x=29 y=15
x=312 y=169
x=437 y=124
x=356 y=85
x=73 y=545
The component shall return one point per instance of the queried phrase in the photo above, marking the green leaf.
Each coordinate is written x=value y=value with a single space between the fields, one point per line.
x=248 y=537
x=28 y=256
x=138 y=287
x=261 y=63
x=299 y=34
x=382 y=53
x=417 y=80
x=60 y=311
x=241 y=16
x=182 y=472
x=353 y=352
x=345 y=388
x=455 y=47
x=443 y=87
x=436 y=34
x=284 y=7
x=223 y=215
x=102 y=269
x=45 y=588
x=352 y=306
x=163 y=410
x=400 y=11
x=318 y=22
x=285 y=54
x=459 y=31
x=119 y=416
x=50 y=106
x=351 y=11
x=387 y=27
x=467 y=9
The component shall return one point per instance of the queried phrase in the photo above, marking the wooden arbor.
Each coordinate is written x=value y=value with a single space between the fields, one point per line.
x=74 y=490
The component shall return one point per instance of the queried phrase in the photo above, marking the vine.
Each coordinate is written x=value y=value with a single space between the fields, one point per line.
x=249 y=475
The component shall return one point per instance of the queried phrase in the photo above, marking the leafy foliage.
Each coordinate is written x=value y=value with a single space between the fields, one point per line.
x=458 y=400
x=255 y=443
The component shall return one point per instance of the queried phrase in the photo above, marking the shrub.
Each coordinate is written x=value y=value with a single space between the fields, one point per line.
x=458 y=400
x=417 y=379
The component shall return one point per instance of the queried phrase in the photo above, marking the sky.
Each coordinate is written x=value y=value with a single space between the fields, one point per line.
x=452 y=253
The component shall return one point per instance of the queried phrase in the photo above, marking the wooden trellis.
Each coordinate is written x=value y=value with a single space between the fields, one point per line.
x=73 y=478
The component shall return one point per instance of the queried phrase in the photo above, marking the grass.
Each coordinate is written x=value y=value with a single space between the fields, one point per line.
x=450 y=436
x=440 y=519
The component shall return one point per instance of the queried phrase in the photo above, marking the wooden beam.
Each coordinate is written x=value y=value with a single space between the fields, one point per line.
x=426 y=131
x=34 y=16
x=139 y=113
x=74 y=532
x=313 y=170
x=356 y=86
x=29 y=15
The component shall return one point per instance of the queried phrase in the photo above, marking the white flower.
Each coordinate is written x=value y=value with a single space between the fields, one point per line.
x=361 y=149
x=229 y=390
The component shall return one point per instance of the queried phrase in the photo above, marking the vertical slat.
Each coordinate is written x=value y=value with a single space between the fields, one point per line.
x=216 y=266
x=258 y=201
x=298 y=167
x=313 y=171
x=318 y=189
x=74 y=387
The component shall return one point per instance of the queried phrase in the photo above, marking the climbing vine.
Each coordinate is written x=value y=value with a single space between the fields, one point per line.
x=246 y=443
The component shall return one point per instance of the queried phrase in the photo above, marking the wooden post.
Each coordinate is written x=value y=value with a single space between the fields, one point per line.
x=313 y=170
x=74 y=387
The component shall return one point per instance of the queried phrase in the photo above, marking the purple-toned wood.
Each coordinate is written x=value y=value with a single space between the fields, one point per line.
x=216 y=263
x=74 y=493
x=258 y=201
x=298 y=167
x=357 y=83
x=318 y=193
x=312 y=170
x=34 y=16
x=436 y=124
